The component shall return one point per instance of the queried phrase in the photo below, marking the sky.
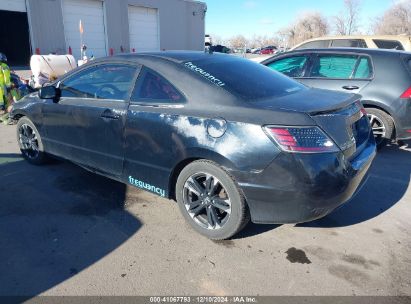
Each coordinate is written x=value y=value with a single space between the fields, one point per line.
x=227 y=18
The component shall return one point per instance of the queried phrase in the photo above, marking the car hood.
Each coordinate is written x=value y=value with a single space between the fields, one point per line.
x=311 y=101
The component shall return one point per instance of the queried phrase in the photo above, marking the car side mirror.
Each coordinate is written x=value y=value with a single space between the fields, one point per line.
x=49 y=92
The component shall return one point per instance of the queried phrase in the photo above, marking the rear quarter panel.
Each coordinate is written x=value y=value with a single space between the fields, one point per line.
x=158 y=140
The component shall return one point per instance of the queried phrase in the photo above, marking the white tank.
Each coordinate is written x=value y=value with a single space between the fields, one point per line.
x=48 y=67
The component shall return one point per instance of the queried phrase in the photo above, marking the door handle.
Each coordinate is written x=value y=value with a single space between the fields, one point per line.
x=349 y=88
x=109 y=114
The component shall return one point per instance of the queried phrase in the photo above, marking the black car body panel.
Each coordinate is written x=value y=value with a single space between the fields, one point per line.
x=389 y=78
x=146 y=143
x=282 y=194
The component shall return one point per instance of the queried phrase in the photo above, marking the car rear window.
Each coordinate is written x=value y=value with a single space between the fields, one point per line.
x=388 y=44
x=244 y=78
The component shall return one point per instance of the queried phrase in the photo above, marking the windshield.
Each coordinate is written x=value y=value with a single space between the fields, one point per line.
x=244 y=78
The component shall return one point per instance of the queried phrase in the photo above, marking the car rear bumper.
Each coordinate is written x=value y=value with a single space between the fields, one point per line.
x=298 y=188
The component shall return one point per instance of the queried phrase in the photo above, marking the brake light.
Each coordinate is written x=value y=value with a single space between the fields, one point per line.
x=407 y=93
x=301 y=139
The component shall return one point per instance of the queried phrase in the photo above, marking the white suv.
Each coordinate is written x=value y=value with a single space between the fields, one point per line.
x=397 y=42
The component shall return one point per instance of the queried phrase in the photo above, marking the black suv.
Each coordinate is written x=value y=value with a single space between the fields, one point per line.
x=382 y=77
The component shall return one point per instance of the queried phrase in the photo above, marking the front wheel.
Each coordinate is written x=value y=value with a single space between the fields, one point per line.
x=210 y=200
x=382 y=126
x=30 y=143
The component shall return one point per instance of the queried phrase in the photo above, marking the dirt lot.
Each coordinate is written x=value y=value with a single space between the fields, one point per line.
x=64 y=231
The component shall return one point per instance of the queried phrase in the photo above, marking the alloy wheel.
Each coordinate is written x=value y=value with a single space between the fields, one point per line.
x=206 y=201
x=378 y=127
x=28 y=141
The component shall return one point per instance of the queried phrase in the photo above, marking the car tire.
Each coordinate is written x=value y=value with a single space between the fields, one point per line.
x=30 y=143
x=211 y=201
x=382 y=125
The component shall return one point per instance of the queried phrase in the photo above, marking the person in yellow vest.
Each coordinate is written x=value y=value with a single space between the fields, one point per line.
x=5 y=83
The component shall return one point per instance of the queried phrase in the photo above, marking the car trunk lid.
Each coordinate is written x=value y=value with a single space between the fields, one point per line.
x=348 y=127
x=309 y=101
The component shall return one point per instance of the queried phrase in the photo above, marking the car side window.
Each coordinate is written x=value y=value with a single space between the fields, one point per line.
x=315 y=44
x=152 y=87
x=108 y=81
x=290 y=66
x=388 y=44
x=364 y=69
x=334 y=66
x=359 y=43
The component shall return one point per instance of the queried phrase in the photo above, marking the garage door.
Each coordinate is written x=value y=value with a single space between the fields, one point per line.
x=91 y=14
x=15 y=43
x=13 y=5
x=144 y=29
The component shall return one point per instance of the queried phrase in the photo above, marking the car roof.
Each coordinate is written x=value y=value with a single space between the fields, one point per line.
x=174 y=56
x=350 y=49
x=402 y=38
x=396 y=37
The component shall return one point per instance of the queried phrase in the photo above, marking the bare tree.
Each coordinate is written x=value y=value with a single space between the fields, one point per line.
x=308 y=25
x=256 y=41
x=287 y=36
x=347 y=22
x=396 y=20
x=270 y=40
x=216 y=39
x=238 y=42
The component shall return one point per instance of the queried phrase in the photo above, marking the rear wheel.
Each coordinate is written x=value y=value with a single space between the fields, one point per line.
x=210 y=200
x=30 y=143
x=382 y=126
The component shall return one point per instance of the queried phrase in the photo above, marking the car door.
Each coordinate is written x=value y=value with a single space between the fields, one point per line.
x=346 y=72
x=155 y=105
x=86 y=125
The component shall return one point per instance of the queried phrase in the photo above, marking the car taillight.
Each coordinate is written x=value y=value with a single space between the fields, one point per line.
x=301 y=139
x=407 y=93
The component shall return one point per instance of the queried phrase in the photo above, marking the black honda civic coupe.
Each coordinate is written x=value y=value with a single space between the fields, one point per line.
x=227 y=138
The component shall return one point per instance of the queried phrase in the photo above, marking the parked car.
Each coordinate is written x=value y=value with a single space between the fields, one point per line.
x=268 y=50
x=382 y=77
x=395 y=42
x=227 y=138
x=239 y=50
x=220 y=49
